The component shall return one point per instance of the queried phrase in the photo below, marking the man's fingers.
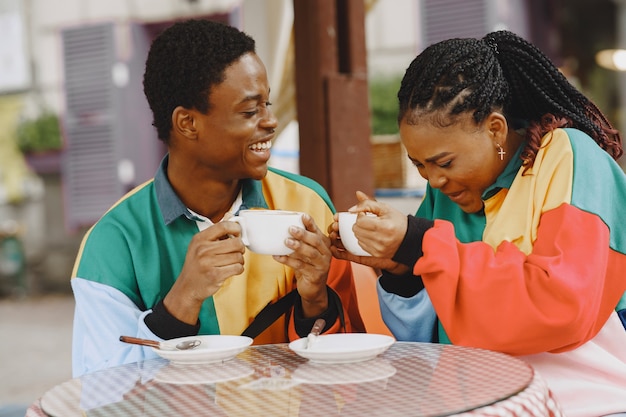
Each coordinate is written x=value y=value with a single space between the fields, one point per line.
x=220 y=230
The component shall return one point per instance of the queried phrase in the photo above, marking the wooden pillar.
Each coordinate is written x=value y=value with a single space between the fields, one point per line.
x=332 y=97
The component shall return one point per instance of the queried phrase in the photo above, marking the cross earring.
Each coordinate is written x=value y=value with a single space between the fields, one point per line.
x=501 y=151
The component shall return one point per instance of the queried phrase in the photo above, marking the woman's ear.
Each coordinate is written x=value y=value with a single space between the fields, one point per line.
x=497 y=127
x=184 y=123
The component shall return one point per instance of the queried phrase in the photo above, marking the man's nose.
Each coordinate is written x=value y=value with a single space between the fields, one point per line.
x=269 y=121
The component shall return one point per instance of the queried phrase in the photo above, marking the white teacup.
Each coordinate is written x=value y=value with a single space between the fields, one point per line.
x=348 y=239
x=265 y=231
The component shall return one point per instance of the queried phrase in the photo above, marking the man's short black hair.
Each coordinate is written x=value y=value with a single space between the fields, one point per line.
x=184 y=62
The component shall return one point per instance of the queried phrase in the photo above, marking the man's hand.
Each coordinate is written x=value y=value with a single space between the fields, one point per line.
x=310 y=262
x=213 y=255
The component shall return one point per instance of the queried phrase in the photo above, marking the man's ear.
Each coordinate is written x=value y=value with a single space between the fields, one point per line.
x=184 y=123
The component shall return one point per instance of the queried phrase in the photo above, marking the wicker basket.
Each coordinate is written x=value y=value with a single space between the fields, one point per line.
x=389 y=157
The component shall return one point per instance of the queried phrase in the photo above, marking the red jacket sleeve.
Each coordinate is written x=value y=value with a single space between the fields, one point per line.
x=554 y=299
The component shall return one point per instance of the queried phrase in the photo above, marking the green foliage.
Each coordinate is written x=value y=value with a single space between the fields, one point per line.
x=384 y=104
x=40 y=134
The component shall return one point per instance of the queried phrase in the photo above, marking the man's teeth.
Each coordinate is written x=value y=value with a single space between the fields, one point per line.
x=263 y=146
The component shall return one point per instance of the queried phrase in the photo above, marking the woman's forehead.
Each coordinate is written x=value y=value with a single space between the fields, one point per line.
x=441 y=120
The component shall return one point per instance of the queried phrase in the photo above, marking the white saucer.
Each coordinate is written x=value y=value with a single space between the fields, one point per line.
x=344 y=373
x=343 y=347
x=213 y=348
x=208 y=373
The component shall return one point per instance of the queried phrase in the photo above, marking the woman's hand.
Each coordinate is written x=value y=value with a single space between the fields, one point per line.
x=380 y=235
x=377 y=263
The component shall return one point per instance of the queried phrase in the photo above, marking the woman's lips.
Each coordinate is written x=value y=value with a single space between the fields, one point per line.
x=456 y=197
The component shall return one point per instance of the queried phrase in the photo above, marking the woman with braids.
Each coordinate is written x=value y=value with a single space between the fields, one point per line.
x=519 y=245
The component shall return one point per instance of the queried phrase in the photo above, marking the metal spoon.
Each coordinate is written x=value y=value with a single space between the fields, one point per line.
x=318 y=326
x=184 y=345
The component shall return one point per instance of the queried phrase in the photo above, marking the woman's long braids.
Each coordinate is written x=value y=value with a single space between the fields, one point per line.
x=501 y=72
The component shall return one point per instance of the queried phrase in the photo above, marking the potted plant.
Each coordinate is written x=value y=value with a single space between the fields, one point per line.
x=383 y=92
x=40 y=141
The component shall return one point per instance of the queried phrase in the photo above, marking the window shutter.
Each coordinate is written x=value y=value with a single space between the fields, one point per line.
x=89 y=169
x=111 y=145
x=444 y=19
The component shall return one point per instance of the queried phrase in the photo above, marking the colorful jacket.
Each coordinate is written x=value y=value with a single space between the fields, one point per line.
x=130 y=258
x=540 y=270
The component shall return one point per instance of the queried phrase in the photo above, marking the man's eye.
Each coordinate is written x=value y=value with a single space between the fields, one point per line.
x=256 y=111
x=445 y=164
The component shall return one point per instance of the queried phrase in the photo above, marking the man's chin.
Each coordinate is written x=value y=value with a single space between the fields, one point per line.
x=259 y=174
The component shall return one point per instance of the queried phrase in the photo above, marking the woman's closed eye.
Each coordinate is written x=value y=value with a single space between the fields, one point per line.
x=445 y=164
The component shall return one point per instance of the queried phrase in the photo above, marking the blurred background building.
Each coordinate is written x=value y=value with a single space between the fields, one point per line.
x=76 y=130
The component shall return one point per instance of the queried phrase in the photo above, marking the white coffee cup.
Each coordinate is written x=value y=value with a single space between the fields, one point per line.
x=264 y=231
x=348 y=239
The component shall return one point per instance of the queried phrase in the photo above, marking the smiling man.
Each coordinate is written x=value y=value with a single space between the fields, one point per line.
x=161 y=263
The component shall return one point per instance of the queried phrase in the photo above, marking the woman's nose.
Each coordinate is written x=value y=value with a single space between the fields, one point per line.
x=436 y=180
